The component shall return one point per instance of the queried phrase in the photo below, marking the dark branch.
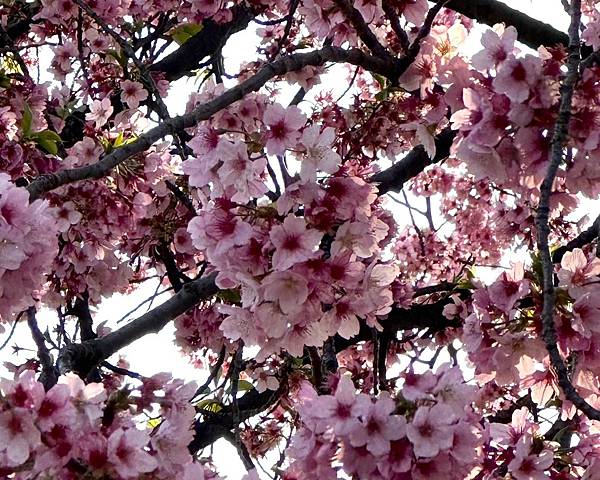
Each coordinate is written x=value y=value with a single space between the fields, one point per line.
x=412 y=164
x=559 y=139
x=49 y=376
x=584 y=238
x=82 y=357
x=532 y=32
x=205 y=43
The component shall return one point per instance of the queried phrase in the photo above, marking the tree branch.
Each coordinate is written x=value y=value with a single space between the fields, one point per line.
x=559 y=139
x=49 y=376
x=82 y=357
x=289 y=63
x=532 y=32
x=579 y=241
x=393 y=178
x=205 y=43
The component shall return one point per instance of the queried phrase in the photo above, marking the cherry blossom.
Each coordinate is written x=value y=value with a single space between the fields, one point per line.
x=293 y=242
x=132 y=93
x=284 y=126
x=100 y=112
x=343 y=227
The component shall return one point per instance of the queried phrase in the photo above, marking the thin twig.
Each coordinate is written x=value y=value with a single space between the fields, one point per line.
x=12 y=331
x=394 y=19
x=213 y=372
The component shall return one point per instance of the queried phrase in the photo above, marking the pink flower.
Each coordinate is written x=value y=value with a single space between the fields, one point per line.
x=497 y=45
x=88 y=399
x=132 y=93
x=284 y=126
x=25 y=392
x=431 y=430
x=293 y=242
x=378 y=427
x=210 y=148
x=100 y=112
x=84 y=152
x=242 y=176
x=319 y=153
x=505 y=292
x=516 y=77
x=520 y=425
x=527 y=465
x=18 y=435
x=56 y=408
x=576 y=271
x=586 y=313
x=591 y=34
x=415 y=11
x=288 y=289
x=343 y=409
x=126 y=453
x=219 y=230
x=66 y=215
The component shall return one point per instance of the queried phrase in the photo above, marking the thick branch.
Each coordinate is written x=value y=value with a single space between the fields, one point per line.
x=584 y=238
x=393 y=178
x=297 y=61
x=204 y=44
x=218 y=425
x=82 y=357
x=361 y=27
x=532 y=32
x=49 y=375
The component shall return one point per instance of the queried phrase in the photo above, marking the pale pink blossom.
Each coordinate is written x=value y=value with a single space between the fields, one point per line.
x=528 y=465
x=88 y=399
x=284 y=126
x=293 y=242
x=18 y=435
x=431 y=430
x=344 y=408
x=125 y=451
x=319 y=153
x=517 y=76
x=66 y=215
x=415 y=11
x=591 y=34
x=378 y=427
x=288 y=289
x=498 y=43
x=100 y=112
x=132 y=93
x=577 y=272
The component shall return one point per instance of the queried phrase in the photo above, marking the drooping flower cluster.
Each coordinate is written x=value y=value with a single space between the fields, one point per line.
x=27 y=248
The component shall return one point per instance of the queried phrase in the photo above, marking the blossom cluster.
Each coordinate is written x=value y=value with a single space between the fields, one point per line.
x=28 y=245
x=76 y=430
x=430 y=430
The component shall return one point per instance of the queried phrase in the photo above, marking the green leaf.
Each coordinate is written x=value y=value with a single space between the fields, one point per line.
x=209 y=405
x=184 y=32
x=243 y=386
x=48 y=140
x=230 y=296
x=27 y=120
x=119 y=140
x=154 y=422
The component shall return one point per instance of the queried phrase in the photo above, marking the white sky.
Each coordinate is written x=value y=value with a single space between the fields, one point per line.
x=156 y=353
